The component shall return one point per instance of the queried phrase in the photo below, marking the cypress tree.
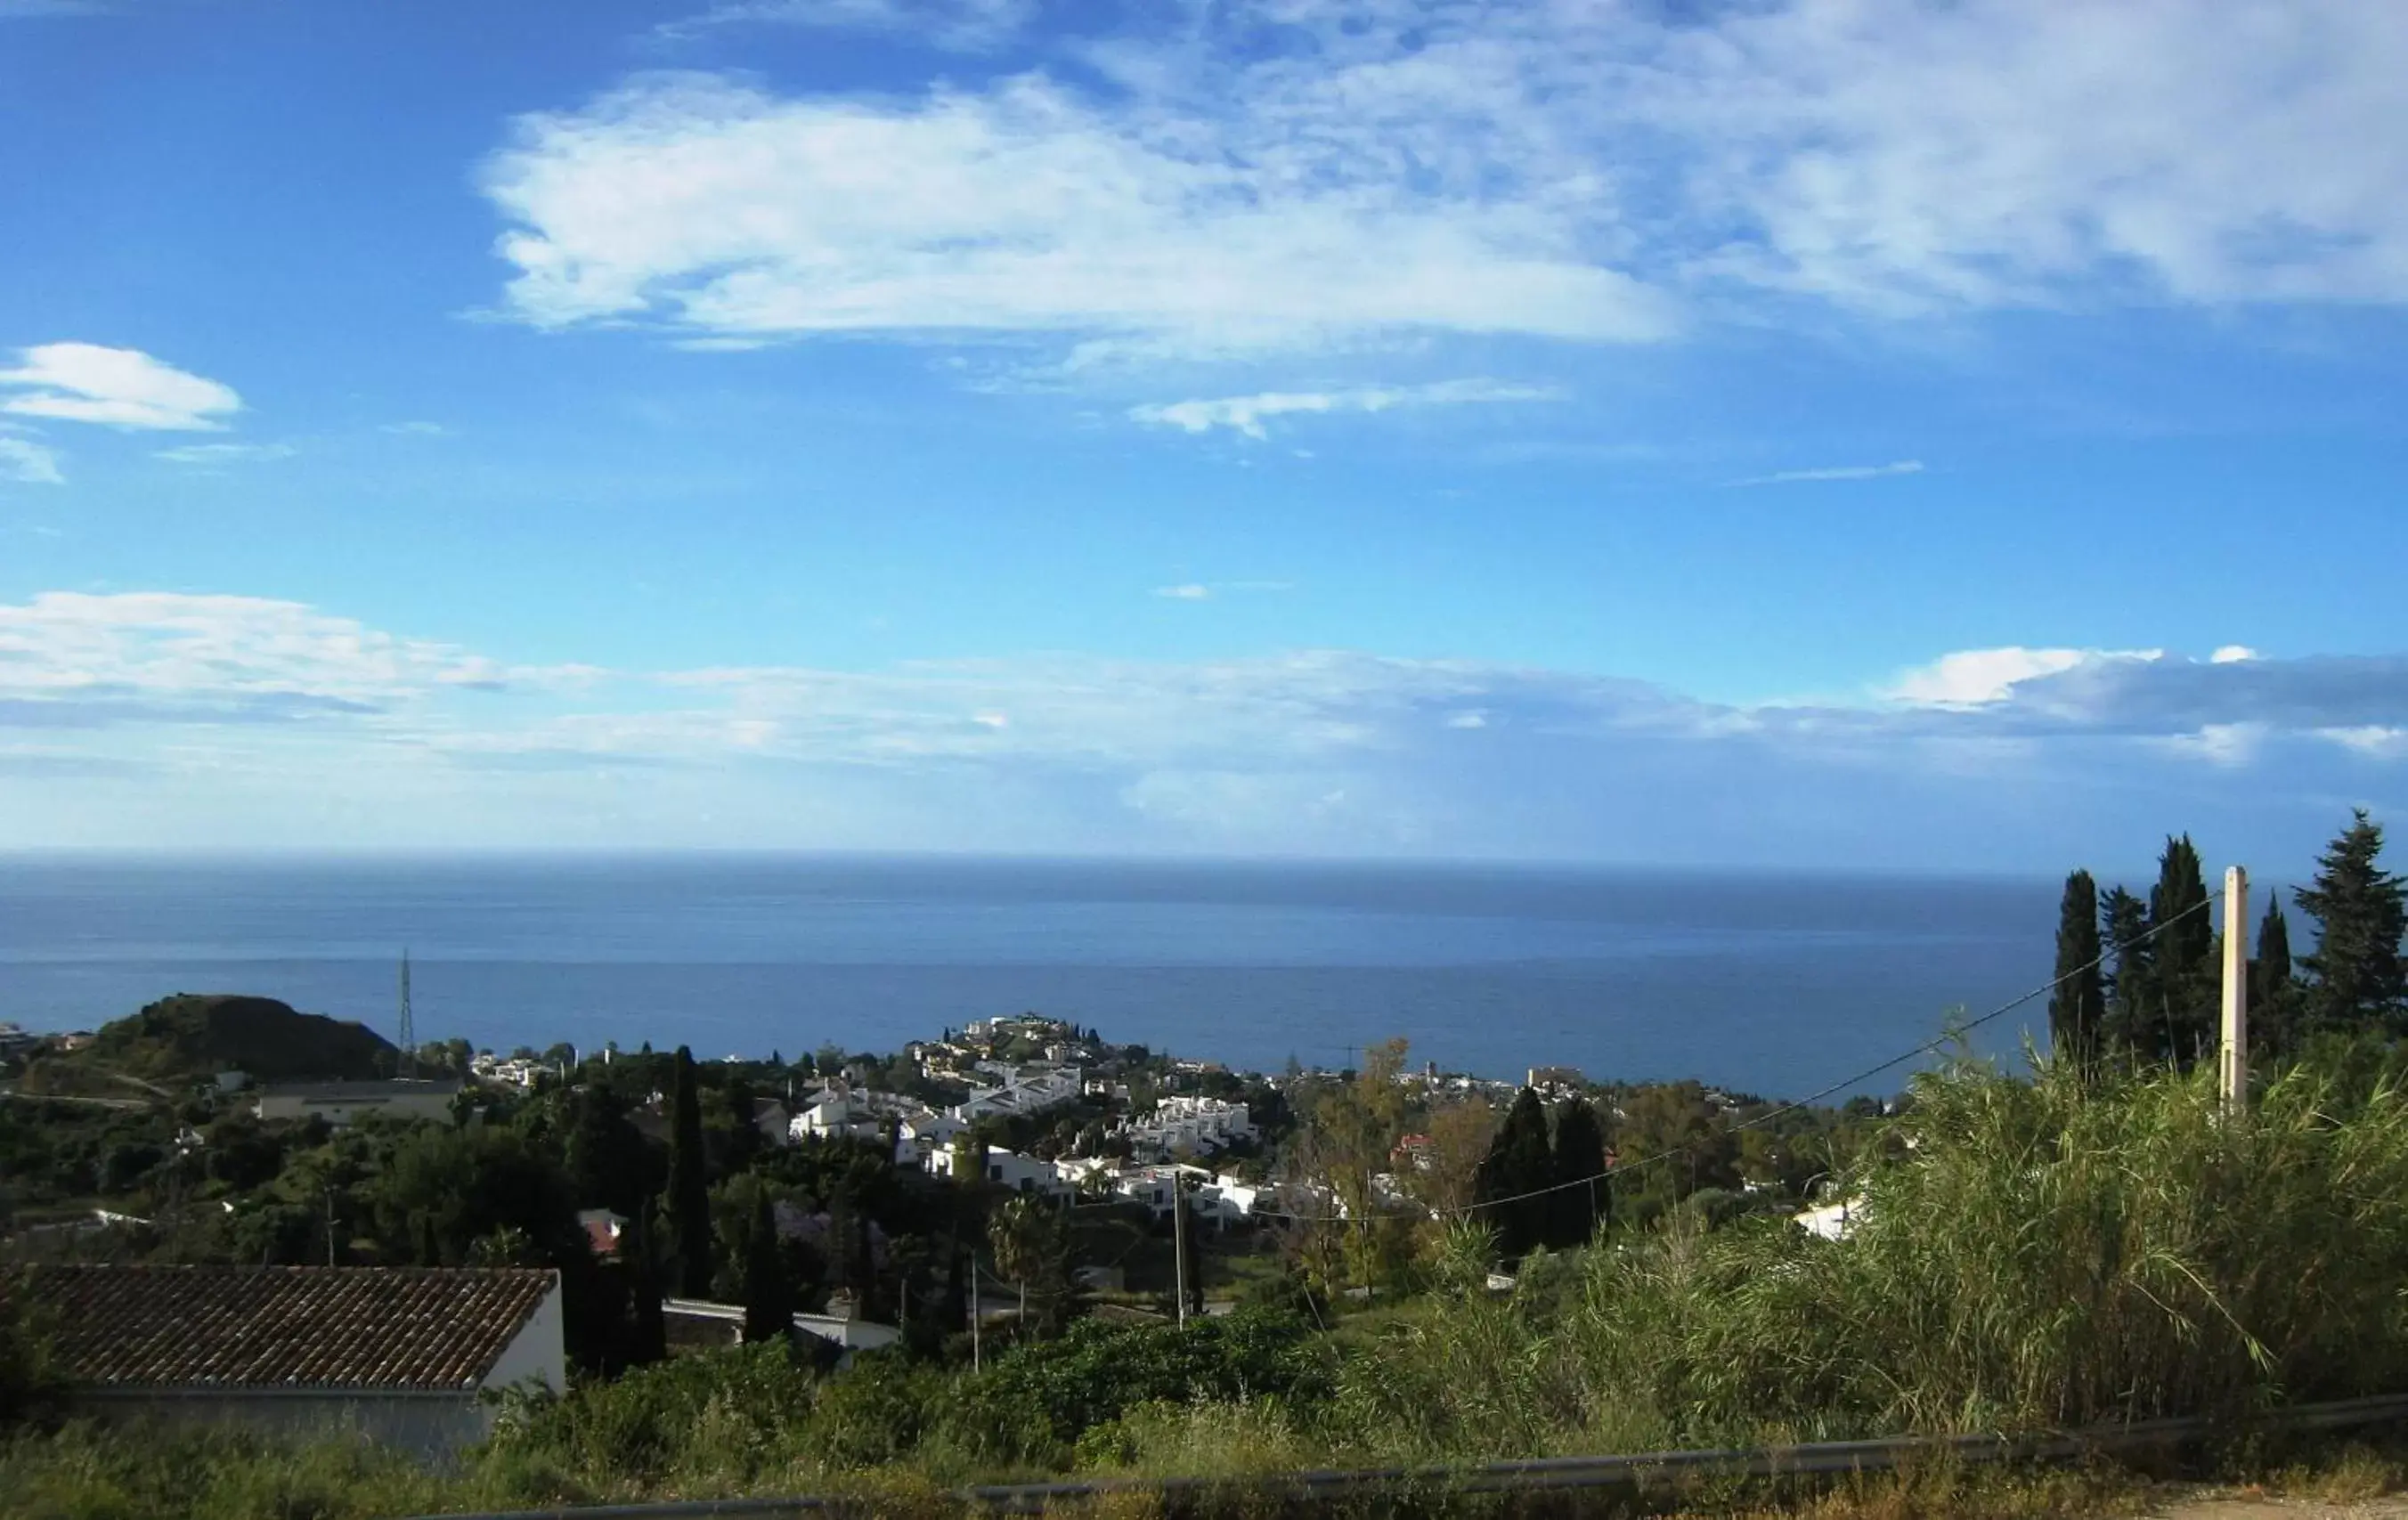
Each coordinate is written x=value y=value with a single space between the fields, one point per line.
x=2354 y=977
x=1191 y=1246
x=769 y=1297
x=1582 y=1196
x=2184 y=948
x=2271 y=989
x=648 y=1340
x=1520 y=1162
x=2077 y=1009
x=2131 y=991
x=689 y=1185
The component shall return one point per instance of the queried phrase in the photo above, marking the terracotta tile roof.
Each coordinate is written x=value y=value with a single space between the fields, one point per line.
x=282 y=1327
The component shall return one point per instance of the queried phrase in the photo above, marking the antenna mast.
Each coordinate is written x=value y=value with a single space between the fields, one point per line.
x=408 y=1035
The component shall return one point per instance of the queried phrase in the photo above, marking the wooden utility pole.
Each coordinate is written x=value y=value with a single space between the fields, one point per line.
x=2232 y=1053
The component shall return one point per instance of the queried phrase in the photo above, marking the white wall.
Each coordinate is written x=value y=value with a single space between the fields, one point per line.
x=426 y=1425
x=539 y=1350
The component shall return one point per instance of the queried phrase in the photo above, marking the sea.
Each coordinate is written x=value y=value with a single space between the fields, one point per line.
x=1774 y=985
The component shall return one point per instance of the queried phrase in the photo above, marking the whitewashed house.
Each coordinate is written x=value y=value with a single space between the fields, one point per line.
x=405 y=1357
x=1007 y=1169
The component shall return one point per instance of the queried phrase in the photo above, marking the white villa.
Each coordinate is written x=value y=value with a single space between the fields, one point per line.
x=1187 y=1125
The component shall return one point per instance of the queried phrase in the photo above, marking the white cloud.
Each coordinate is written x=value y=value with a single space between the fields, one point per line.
x=1204 y=591
x=29 y=463
x=2231 y=653
x=227 y=453
x=1842 y=472
x=952 y=25
x=147 y=645
x=2379 y=741
x=1272 y=174
x=1027 y=209
x=85 y=383
x=1245 y=413
x=2227 y=744
x=332 y=730
x=416 y=429
x=1977 y=676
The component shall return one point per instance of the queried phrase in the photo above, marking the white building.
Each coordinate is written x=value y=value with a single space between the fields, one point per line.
x=838 y=1112
x=405 y=1357
x=1032 y=1091
x=1007 y=1169
x=1187 y=1125
x=846 y=1332
x=922 y=1134
x=340 y=1103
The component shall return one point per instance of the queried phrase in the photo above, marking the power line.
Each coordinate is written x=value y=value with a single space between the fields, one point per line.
x=1809 y=1100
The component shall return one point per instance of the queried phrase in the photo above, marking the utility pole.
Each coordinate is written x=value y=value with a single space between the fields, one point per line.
x=2232 y=1055
x=1179 y=1238
x=407 y=1032
x=974 y=1312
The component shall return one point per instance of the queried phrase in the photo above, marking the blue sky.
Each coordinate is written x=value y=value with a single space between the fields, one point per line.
x=1842 y=431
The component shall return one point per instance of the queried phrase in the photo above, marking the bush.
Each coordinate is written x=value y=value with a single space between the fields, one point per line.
x=1032 y=1404
x=725 y=1417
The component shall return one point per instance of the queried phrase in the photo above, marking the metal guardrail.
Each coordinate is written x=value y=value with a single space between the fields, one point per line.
x=1536 y=1474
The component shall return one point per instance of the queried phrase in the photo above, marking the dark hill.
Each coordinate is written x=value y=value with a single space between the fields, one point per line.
x=197 y=1034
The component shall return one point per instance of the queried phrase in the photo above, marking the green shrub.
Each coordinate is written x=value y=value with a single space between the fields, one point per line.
x=1032 y=1404
x=722 y=1415
x=875 y=1413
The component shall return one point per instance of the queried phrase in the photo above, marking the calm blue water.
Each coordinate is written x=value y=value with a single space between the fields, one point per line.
x=1768 y=984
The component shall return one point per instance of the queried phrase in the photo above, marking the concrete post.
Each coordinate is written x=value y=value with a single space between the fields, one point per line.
x=2232 y=1052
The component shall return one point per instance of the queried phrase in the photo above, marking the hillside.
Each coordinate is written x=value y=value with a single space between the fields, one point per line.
x=197 y=1034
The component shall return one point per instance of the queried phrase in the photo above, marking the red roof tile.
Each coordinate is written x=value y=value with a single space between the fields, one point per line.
x=284 y=1328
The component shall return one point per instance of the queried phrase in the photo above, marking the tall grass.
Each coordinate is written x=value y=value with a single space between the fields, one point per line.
x=2027 y=1254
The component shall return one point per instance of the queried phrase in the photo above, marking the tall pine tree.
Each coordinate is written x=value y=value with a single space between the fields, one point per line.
x=769 y=1295
x=1582 y=1195
x=1520 y=1164
x=2131 y=991
x=2186 y=981
x=2077 y=1009
x=2272 y=992
x=2355 y=978
x=689 y=1197
x=647 y=1340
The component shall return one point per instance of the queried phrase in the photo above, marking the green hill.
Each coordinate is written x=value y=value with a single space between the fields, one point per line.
x=199 y=1034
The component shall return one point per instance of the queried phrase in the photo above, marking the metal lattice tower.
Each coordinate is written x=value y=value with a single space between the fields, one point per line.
x=408 y=1035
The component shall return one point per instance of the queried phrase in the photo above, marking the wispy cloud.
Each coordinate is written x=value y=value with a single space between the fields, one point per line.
x=1973 y=677
x=1273 y=176
x=1246 y=414
x=416 y=429
x=952 y=25
x=1031 y=208
x=303 y=711
x=85 y=383
x=29 y=463
x=77 y=646
x=1202 y=590
x=1840 y=472
x=227 y=453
